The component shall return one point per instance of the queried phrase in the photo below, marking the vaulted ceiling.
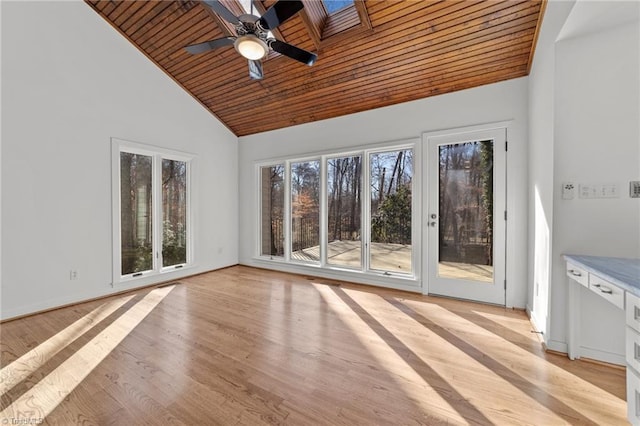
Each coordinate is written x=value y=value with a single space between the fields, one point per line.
x=371 y=54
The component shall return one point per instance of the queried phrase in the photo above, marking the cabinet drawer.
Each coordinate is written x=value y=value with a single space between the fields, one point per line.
x=632 y=311
x=606 y=290
x=578 y=274
x=632 y=349
x=633 y=397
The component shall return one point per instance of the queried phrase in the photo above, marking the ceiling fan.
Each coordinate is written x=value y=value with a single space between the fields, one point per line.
x=253 y=39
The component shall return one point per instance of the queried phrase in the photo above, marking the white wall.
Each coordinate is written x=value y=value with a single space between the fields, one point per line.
x=597 y=141
x=541 y=160
x=584 y=123
x=71 y=82
x=497 y=102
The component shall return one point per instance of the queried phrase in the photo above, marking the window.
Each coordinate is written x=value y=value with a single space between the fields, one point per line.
x=333 y=6
x=136 y=240
x=350 y=211
x=344 y=191
x=391 y=175
x=272 y=211
x=152 y=230
x=330 y=21
x=174 y=212
x=305 y=211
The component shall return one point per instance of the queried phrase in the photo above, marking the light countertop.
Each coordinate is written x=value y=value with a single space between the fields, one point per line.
x=625 y=273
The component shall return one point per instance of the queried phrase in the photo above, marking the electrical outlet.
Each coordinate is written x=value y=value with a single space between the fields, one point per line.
x=568 y=191
x=634 y=189
x=73 y=275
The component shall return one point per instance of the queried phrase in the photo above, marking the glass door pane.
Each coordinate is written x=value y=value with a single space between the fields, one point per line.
x=174 y=212
x=466 y=211
x=391 y=175
x=136 y=243
x=344 y=183
x=305 y=211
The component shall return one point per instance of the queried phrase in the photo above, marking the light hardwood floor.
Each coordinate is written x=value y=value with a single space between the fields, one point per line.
x=248 y=346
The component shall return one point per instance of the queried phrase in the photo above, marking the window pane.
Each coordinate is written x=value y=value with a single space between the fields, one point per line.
x=135 y=213
x=344 y=246
x=333 y=6
x=272 y=220
x=391 y=176
x=174 y=212
x=305 y=211
x=466 y=211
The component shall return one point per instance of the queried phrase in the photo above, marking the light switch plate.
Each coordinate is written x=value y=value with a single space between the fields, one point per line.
x=598 y=190
x=634 y=189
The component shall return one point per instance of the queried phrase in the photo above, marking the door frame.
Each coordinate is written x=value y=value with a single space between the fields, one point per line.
x=426 y=152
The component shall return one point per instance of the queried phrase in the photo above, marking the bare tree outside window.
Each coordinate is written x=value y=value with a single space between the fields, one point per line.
x=136 y=213
x=272 y=211
x=174 y=212
x=466 y=206
x=305 y=211
x=391 y=175
x=344 y=189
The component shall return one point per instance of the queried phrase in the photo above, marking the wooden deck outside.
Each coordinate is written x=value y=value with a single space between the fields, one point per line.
x=390 y=257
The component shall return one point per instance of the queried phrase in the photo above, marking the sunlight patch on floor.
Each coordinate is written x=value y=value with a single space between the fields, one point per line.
x=530 y=367
x=475 y=384
x=47 y=394
x=28 y=363
x=385 y=356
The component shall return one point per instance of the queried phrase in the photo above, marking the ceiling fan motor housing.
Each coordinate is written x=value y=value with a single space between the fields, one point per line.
x=250 y=24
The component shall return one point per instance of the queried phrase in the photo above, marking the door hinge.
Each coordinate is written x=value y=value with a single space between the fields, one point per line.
x=505 y=284
x=506 y=145
x=505 y=215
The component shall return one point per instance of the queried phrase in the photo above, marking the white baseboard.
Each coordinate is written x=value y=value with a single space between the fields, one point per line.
x=604 y=356
x=557 y=346
x=398 y=283
x=107 y=289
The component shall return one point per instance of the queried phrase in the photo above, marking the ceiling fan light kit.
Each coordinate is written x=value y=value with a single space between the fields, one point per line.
x=253 y=41
x=251 y=47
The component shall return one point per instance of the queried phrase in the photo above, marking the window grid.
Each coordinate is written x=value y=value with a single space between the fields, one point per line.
x=323 y=254
x=153 y=236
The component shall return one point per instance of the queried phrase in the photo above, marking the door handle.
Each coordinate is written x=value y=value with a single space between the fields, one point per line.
x=434 y=223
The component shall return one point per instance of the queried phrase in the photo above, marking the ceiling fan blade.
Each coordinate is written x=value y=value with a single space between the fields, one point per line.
x=255 y=70
x=280 y=12
x=222 y=11
x=293 y=52
x=194 y=49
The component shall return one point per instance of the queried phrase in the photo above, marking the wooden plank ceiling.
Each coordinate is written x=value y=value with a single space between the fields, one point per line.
x=373 y=54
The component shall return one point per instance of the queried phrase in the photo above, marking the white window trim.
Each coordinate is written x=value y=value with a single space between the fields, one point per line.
x=157 y=154
x=380 y=277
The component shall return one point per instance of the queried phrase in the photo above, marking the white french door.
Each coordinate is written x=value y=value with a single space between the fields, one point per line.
x=464 y=212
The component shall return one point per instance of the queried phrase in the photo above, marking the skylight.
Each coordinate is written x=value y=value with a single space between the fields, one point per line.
x=333 y=6
x=246 y=5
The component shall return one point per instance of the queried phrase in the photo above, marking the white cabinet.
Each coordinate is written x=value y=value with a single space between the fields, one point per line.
x=633 y=397
x=632 y=314
x=617 y=281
